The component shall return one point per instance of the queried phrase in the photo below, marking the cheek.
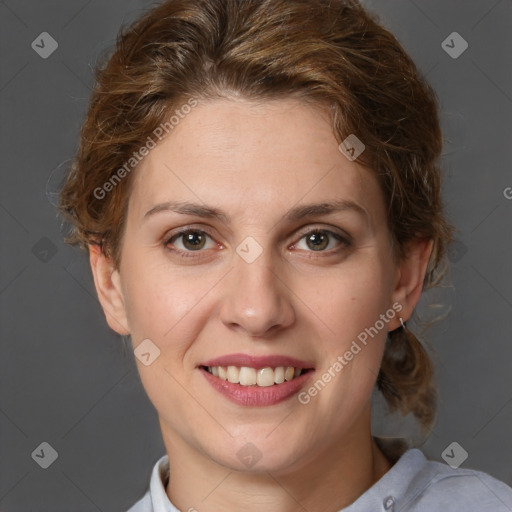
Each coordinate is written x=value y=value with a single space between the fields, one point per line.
x=350 y=303
x=165 y=306
x=352 y=298
x=161 y=301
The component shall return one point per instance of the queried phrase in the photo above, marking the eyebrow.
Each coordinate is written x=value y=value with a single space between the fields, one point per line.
x=294 y=214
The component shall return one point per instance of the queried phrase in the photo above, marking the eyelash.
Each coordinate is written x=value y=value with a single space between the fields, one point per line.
x=191 y=254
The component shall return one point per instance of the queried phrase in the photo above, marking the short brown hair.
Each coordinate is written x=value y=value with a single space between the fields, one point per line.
x=330 y=52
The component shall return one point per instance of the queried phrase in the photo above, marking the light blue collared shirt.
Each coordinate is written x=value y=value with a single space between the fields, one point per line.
x=413 y=484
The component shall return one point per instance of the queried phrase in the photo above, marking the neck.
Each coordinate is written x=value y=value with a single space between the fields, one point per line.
x=328 y=481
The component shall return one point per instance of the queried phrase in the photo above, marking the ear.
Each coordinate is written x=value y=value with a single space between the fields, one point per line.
x=108 y=287
x=410 y=275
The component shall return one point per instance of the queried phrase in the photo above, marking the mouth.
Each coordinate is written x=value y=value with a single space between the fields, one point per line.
x=256 y=381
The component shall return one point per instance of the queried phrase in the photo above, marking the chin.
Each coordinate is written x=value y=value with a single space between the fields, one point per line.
x=254 y=450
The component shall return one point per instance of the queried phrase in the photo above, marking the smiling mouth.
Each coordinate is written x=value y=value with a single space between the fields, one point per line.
x=257 y=377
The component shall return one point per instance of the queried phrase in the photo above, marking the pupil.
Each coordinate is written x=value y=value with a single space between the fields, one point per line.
x=318 y=240
x=194 y=240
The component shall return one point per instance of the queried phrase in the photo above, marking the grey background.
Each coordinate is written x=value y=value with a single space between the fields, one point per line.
x=64 y=378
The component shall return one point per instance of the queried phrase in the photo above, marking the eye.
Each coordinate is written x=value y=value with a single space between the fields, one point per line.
x=190 y=240
x=187 y=241
x=318 y=240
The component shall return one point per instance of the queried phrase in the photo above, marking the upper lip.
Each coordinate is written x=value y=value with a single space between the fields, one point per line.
x=272 y=361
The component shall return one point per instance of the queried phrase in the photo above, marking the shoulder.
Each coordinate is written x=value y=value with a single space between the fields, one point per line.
x=437 y=486
x=413 y=484
x=143 y=505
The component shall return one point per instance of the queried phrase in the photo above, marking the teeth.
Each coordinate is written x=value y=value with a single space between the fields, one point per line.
x=263 y=377
x=233 y=374
x=247 y=376
x=223 y=373
x=279 y=375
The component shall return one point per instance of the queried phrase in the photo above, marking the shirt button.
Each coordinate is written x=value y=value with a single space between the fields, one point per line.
x=389 y=503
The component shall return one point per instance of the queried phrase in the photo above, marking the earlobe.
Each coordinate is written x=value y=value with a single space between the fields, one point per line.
x=411 y=274
x=108 y=287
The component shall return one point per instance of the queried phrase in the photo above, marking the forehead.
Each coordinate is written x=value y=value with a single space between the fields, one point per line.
x=250 y=158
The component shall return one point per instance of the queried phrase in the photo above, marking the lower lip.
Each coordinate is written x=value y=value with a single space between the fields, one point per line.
x=256 y=396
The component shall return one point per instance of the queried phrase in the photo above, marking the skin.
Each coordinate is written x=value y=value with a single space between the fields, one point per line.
x=255 y=161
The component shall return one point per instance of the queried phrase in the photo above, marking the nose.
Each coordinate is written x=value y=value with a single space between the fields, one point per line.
x=257 y=299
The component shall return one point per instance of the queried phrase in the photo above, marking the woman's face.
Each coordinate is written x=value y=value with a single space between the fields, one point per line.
x=268 y=275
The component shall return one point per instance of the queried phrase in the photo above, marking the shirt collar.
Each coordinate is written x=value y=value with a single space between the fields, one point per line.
x=159 y=479
x=390 y=493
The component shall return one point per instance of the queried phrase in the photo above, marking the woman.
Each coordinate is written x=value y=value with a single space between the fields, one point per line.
x=258 y=187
